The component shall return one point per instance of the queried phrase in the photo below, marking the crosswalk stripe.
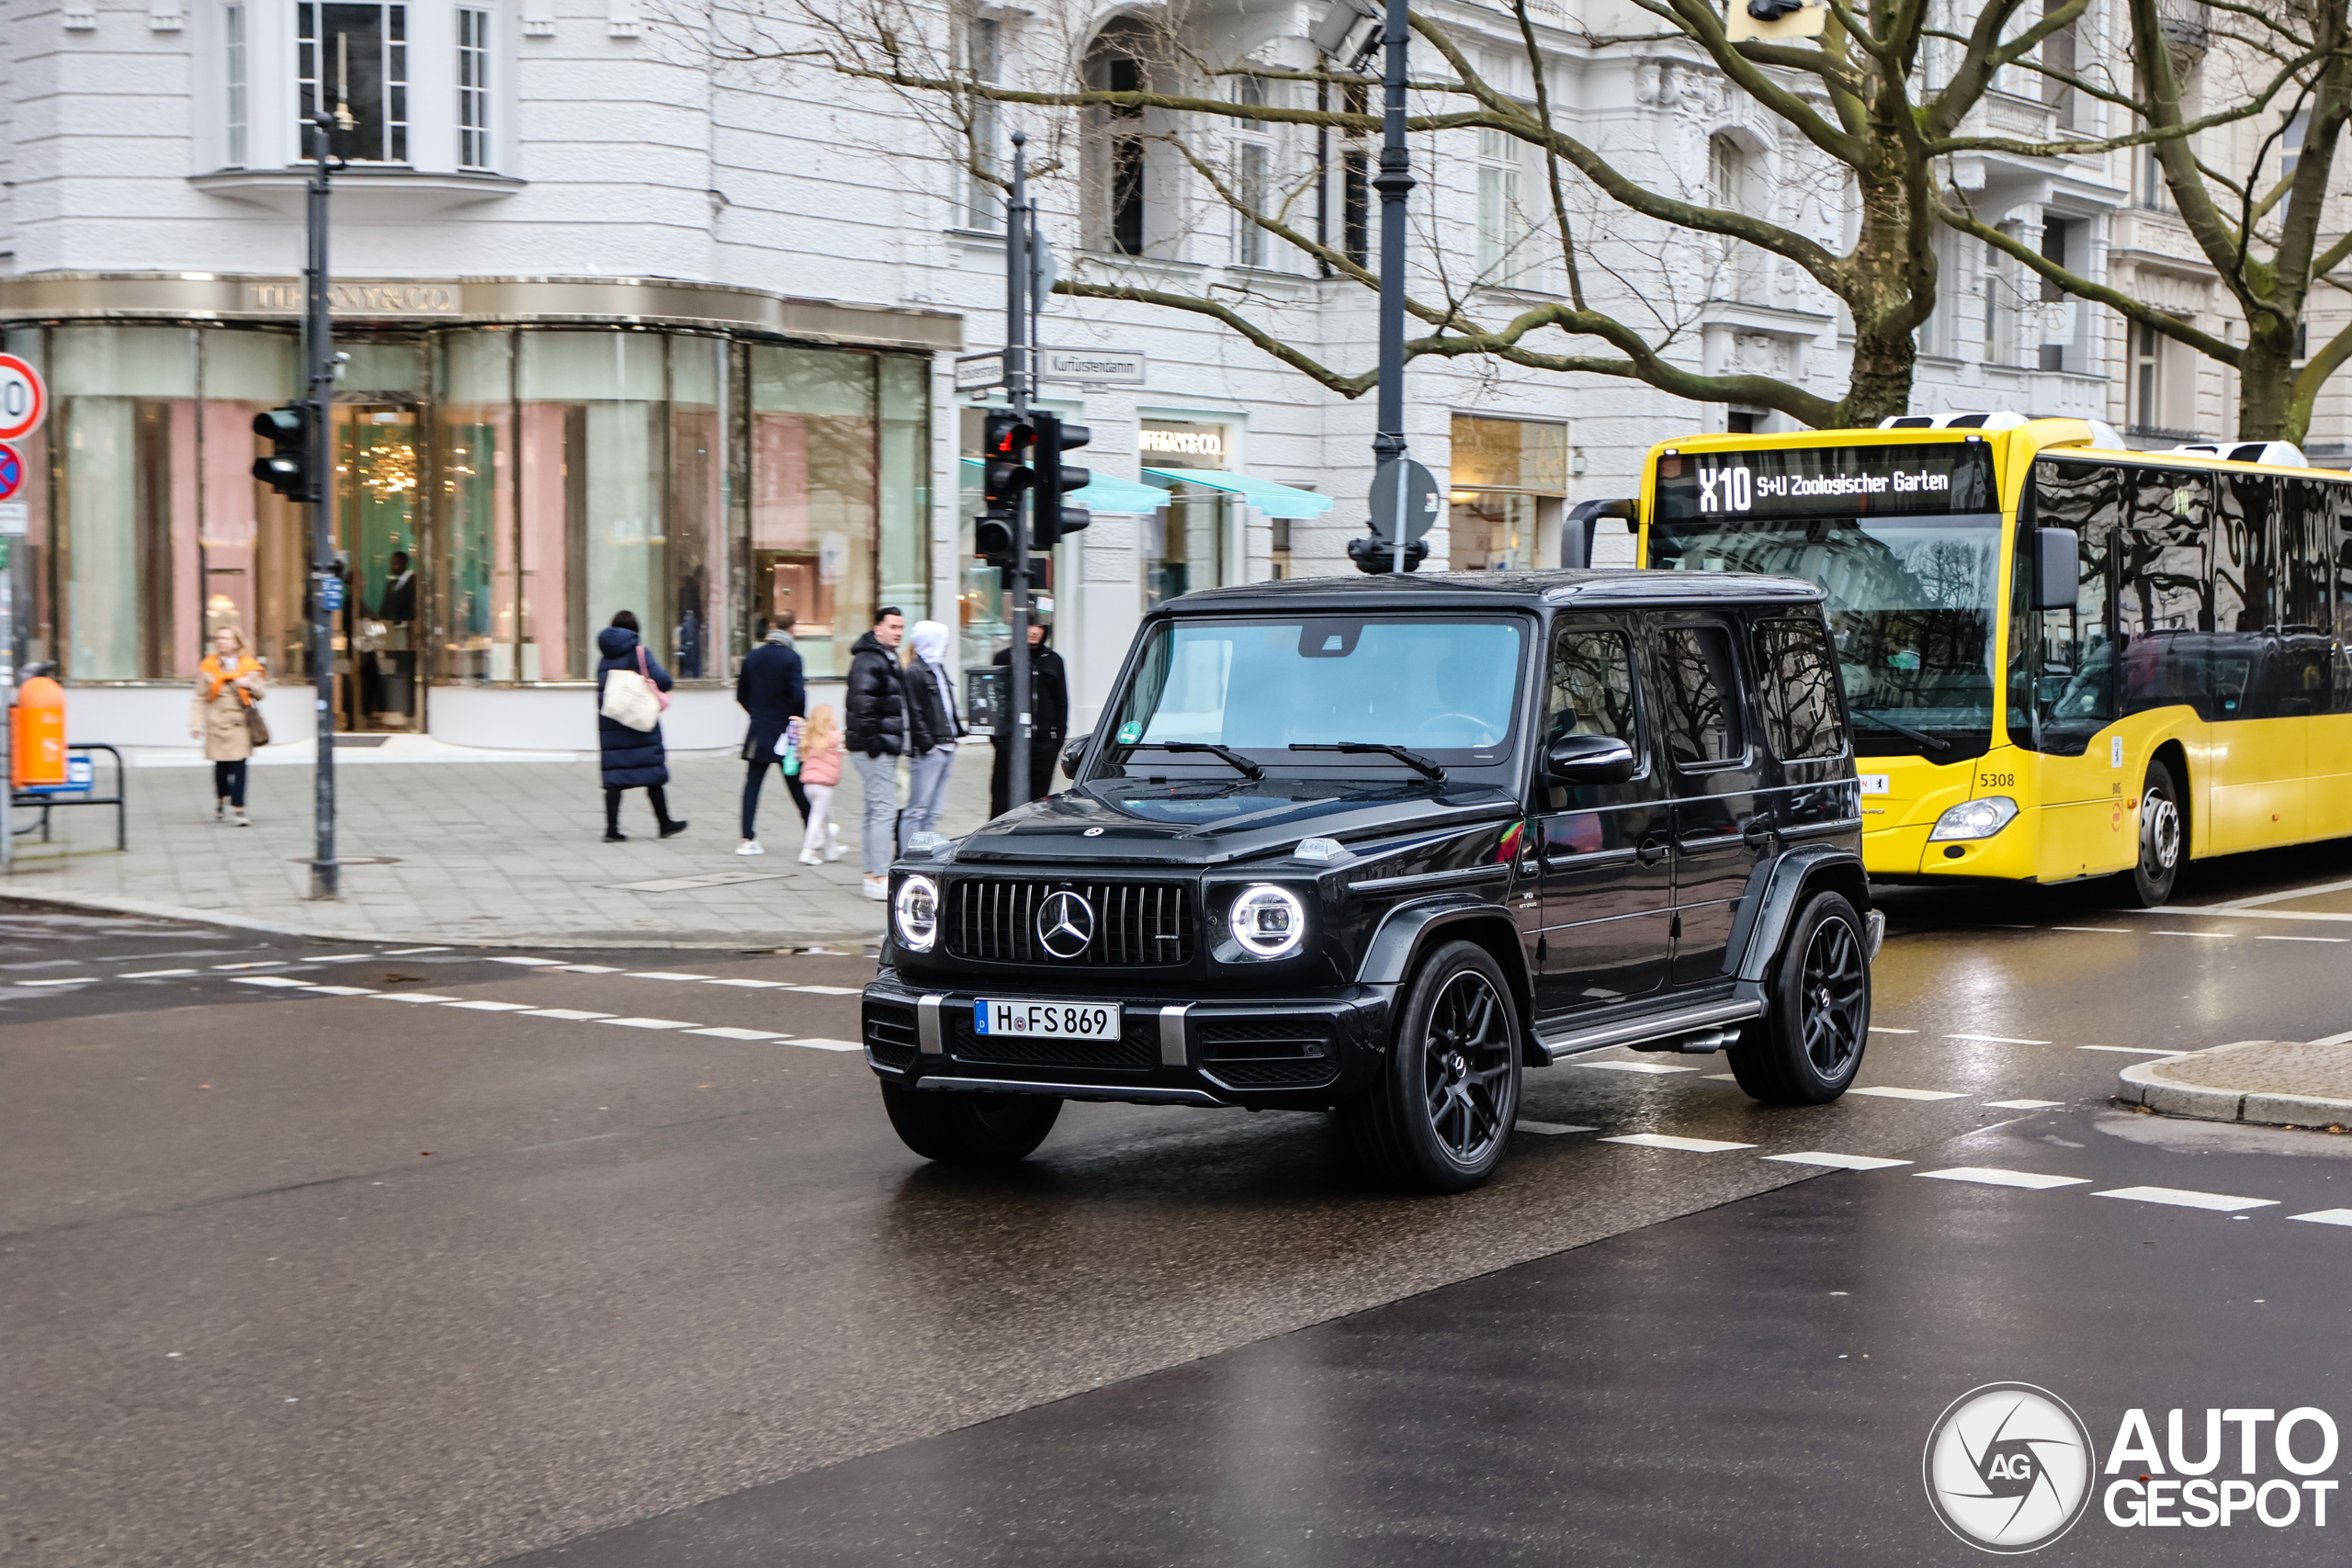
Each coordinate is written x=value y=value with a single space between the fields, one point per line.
x=2326 y=1216
x=343 y=991
x=729 y=1032
x=490 y=1007
x=1837 y=1162
x=1996 y=1039
x=2130 y=1050
x=73 y=980
x=592 y=969
x=756 y=984
x=269 y=980
x=1889 y=1029
x=2023 y=1104
x=827 y=990
x=665 y=975
x=413 y=997
x=1548 y=1129
x=153 y=974
x=337 y=957
x=1668 y=1140
x=650 y=1023
x=1907 y=1093
x=569 y=1015
x=2182 y=1198
x=1991 y=1176
x=534 y=962
x=818 y=1042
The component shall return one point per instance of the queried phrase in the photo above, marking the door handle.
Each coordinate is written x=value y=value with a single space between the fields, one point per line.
x=1757 y=831
x=1651 y=849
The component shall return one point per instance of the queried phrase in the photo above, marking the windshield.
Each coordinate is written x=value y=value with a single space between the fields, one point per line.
x=1446 y=689
x=1911 y=585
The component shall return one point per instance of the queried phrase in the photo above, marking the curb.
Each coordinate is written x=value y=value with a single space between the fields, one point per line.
x=2140 y=1087
x=851 y=946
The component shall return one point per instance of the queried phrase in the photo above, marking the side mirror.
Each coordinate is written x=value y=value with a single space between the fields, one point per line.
x=2057 y=568
x=1589 y=760
x=1073 y=753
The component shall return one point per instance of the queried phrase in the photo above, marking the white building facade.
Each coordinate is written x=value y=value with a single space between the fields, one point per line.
x=629 y=327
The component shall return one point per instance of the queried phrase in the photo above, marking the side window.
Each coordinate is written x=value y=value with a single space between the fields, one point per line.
x=1591 y=687
x=1800 y=690
x=1698 y=695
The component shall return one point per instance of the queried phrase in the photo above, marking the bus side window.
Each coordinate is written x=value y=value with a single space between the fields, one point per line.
x=2063 y=663
x=2161 y=603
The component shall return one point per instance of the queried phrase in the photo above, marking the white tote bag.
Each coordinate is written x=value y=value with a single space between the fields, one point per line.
x=630 y=699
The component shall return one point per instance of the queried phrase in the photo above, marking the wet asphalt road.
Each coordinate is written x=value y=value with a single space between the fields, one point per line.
x=295 y=1277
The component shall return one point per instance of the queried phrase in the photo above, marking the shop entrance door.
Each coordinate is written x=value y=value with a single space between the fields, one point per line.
x=378 y=480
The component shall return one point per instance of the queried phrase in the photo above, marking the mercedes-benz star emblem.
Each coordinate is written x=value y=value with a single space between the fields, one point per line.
x=1065 y=924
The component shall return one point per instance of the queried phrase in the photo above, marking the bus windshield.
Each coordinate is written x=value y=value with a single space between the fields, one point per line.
x=1906 y=540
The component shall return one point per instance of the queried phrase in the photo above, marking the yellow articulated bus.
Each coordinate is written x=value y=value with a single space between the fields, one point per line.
x=2063 y=659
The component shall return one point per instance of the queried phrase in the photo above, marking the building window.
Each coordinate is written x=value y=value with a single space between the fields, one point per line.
x=1127 y=161
x=1501 y=229
x=984 y=194
x=473 y=88
x=353 y=63
x=1355 y=185
x=2058 y=62
x=1729 y=190
x=233 y=27
x=2163 y=387
x=1509 y=478
x=1250 y=184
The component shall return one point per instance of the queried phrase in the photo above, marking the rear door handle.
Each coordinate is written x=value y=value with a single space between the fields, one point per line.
x=1757 y=832
x=1651 y=849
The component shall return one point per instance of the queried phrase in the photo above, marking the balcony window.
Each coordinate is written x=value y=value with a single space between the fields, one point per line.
x=473 y=88
x=233 y=30
x=352 y=61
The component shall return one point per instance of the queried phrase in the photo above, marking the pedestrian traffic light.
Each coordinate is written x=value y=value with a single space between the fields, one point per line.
x=1056 y=479
x=1005 y=442
x=287 y=470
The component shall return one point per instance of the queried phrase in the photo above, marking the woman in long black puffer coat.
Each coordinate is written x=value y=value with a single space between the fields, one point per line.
x=633 y=759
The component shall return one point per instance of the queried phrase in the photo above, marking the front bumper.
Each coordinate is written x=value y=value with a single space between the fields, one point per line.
x=1303 y=1051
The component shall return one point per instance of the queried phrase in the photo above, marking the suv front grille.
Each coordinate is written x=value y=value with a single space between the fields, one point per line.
x=890 y=1034
x=1137 y=924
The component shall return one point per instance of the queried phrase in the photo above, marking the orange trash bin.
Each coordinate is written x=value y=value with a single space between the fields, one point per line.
x=36 y=734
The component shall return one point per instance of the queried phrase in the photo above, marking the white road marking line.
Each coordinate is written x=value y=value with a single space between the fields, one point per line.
x=2334 y=939
x=592 y=969
x=153 y=974
x=404 y=952
x=256 y=964
x=2210 y=936
x=570 y=1015
x=2326 y=1216
x=664 y=975
x=2181 y=1198
x=2343 y=1039
x=2132 y=1050
x=1633 y=1068
x=756 y=984
x=1723 y=1078
x=413 y=997
x=1837 y=1162
x=1907 y=1093
x=730 y=1032
x=75 y=980
x=1548 y=1129
x=1668 y=1140
x=343 y=991
x=490 y=1007
x=270 y=980
x=534 y=962
x=337 y=957
x=2023 y=1104
x=1889 y=1029
x=1996 y=1039
x=1991 y=1176
x=827 y=990
x=2102 y=930
x=817 y=1042
x=650 y=1023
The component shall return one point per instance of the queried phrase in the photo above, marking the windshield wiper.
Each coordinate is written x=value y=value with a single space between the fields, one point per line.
x=1905 y=730
x=1412 y=760
x=1248 y=769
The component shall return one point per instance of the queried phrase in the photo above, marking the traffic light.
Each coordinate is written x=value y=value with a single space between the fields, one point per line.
x=287 y=470
x=1056 y=479
x=1005 y=442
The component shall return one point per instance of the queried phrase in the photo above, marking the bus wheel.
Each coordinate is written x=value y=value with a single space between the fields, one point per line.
x=2162 y=846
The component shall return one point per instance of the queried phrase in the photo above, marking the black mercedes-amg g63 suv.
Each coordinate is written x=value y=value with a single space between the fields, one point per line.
x=1377 y=845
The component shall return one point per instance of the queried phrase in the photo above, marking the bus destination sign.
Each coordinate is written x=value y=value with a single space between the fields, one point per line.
x=1827 y=481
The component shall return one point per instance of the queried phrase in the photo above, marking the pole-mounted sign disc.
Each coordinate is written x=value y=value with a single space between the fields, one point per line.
x=1417 y=505
x=23 y=400
x=12 y=473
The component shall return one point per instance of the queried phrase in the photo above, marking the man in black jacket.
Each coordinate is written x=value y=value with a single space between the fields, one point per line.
x=1048 y=722
x=773 y=689
x=876 y=734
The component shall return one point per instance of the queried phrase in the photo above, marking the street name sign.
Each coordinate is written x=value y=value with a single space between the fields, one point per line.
x=979 y=372
x=1096 y=367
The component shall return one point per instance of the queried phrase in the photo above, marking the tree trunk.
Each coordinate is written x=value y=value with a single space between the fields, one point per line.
x=2269 y=409
x=1893 y=267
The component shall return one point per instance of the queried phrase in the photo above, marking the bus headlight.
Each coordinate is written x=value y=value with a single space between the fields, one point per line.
x=1269 y=921
x=914 y=913
x=1974 y=819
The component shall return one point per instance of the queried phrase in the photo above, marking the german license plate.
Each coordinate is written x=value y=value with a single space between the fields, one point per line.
x=1060 y=1020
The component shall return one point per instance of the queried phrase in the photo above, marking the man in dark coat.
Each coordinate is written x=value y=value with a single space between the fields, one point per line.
x=772 y=690
x=875 y=734
x=1048 y=723
x=633 y=759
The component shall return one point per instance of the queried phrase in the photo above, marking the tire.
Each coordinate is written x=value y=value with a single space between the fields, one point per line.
x=1808 y=1045
x=959 y=1128
x=1441 y=1116
x=2164 y=839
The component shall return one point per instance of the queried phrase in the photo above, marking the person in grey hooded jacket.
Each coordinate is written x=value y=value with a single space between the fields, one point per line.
x=933 y=725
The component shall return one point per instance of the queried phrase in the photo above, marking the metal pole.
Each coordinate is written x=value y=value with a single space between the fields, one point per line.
x=1016 y=386
x=1395 y=179
x=318 y=349
x=7 y=704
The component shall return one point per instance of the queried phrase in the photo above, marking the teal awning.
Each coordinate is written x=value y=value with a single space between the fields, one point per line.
x=1274 y=500
x=1106 y=494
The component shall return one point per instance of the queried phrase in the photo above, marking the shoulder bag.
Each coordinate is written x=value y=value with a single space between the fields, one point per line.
x=256 y=727
x=629 y=699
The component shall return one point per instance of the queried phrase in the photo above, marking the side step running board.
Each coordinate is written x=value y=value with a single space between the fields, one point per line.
x=1657 y=1026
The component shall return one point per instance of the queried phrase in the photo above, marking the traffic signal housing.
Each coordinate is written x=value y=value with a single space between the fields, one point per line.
x=288 y=468
x=1006 y=441
x=1056 y=479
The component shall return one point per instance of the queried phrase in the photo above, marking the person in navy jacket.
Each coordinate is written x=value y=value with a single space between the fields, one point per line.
x=774 y=690
x=633 y=759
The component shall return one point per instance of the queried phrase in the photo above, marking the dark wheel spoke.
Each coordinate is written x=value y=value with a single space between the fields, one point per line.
x=1467 y=1061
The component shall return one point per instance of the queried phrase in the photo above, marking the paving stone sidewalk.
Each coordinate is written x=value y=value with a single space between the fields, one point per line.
x=2279 y=1082
x=476 y=851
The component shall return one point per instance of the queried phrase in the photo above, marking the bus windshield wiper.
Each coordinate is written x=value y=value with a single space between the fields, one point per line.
x=1227 y=754
x=1412 y=760
x=1905 y=730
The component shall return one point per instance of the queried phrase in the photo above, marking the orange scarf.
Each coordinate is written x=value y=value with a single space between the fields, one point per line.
x=246 y=665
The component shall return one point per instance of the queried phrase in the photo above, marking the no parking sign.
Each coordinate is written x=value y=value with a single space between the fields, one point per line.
x=23 y=400
x=12 y=473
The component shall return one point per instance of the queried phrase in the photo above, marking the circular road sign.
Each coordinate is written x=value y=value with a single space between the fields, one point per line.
x=23 y=400
x=1419 y=500
x=12 y=473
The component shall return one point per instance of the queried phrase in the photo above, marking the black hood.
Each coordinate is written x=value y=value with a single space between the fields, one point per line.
x=1210 y=822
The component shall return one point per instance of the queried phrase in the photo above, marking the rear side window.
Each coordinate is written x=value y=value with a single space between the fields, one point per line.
x=1591 y=687
x=1698 y=695
x=1801 y=716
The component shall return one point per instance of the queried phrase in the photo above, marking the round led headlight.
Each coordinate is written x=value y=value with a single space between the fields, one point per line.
x=1974 y=819
x=914 y=913
x=1269 y=921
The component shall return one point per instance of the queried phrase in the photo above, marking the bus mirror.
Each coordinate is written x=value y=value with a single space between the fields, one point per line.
x=2057 y=568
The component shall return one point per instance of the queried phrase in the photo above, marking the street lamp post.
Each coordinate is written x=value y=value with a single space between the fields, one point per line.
x=1394 y=182
x=318 y=351
x=1017 y=285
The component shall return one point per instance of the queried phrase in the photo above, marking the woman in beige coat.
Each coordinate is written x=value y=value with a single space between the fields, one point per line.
x=229 y=682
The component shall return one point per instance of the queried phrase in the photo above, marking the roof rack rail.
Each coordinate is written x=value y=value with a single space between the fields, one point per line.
x=2004 y=420
x=2280 y=454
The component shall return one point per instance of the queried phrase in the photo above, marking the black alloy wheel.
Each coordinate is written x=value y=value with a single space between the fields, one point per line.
x=960 y=1127
x=1808 y=1045
x=2163 y=839
x=1442 y=1115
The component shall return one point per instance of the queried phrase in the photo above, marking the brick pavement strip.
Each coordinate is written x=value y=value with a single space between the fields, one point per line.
x=500 y=853
x=2278 y=1082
